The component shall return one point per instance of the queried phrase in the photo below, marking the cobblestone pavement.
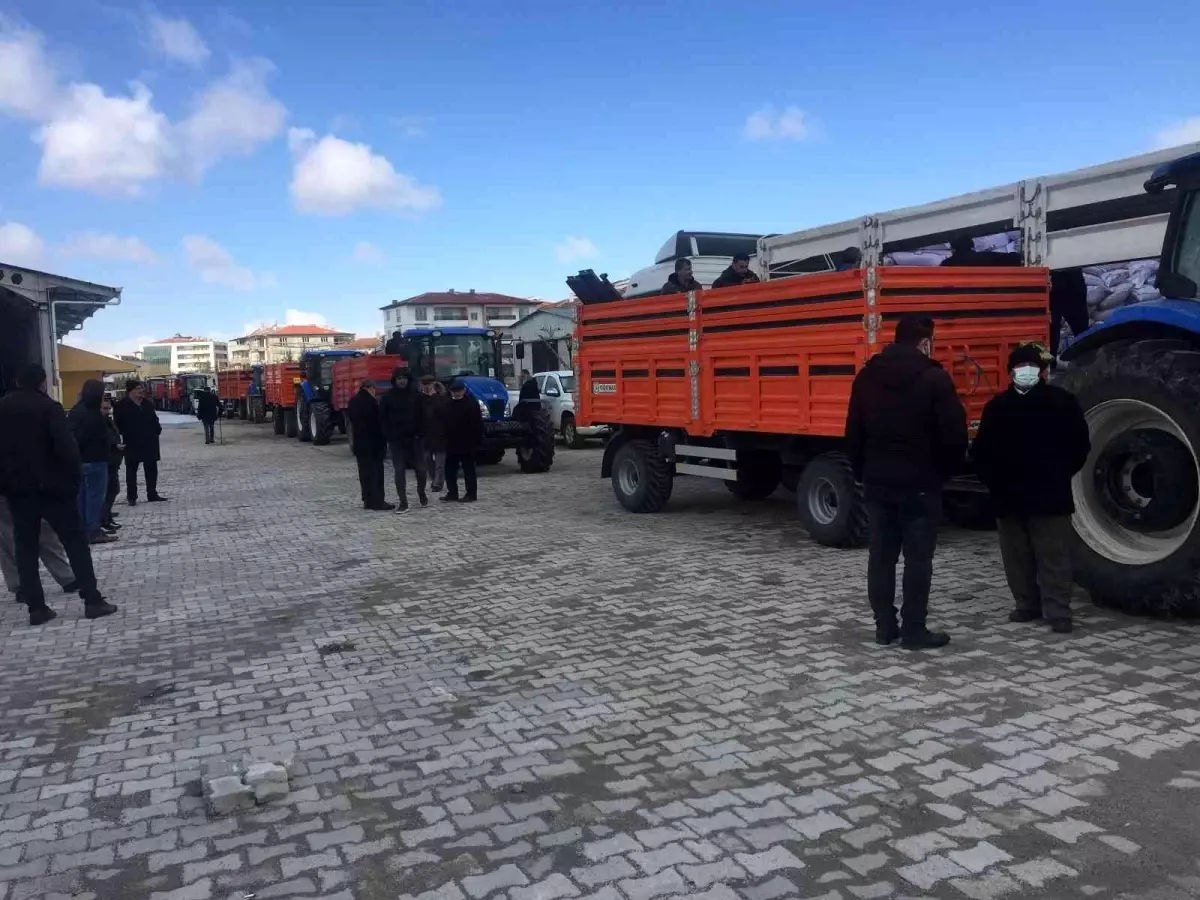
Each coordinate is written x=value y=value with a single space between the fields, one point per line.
x=543 y=697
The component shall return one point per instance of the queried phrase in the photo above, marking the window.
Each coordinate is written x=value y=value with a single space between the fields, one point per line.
x=1187 y=251
x=568 y=382
x=501 y=312
x=725 y=244
x=420 y=313
x=450 y=313
x=324 y=339
x=304 y=340
x=474 y=315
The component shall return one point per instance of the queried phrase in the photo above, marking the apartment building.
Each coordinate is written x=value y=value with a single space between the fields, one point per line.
x=284 y=343
x=182 y=353
x=456 y=308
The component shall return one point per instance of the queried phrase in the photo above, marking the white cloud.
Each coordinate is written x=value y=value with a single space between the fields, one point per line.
x=216 y=265
x=366 y=252
x=411 y=126
x=117 y=143
x=300 y=317
x=109 y=246
x=177 y=40
x=1185 y=131
x=573 y=249
x=767 y=124
x=20 y=245
x=333 y=177
x=115 y=348
x=233 y=116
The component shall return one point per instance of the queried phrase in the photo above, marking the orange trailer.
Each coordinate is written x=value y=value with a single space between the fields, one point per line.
x=233 y=390
x=279 y=388
x=751 y=384
x=350 y=373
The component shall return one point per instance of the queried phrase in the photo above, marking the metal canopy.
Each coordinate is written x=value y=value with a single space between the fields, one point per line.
x=73 y=301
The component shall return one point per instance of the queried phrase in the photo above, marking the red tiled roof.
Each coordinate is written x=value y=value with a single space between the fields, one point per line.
x=366 y=343
x=457 y=298
x=181 y=339
x=292 y=330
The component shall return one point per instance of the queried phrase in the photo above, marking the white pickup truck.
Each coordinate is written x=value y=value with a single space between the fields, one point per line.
x=557 y=390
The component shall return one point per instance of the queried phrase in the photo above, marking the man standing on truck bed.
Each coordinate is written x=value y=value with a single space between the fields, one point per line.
x=40 y=473
x=682 y=281
x=737 y=273
x=906 y=432
x=368 y=446
x=402 y=413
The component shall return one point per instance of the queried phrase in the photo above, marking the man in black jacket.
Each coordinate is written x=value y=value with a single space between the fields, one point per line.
x=39 y=476
x=737 y=273
x=681 y=281
x=906 y=432
x=208 y=410
x=402 y=413
x=1032 y=441
x=140 y=428
x=368 y=445
x=464 y=436
x=91 y=434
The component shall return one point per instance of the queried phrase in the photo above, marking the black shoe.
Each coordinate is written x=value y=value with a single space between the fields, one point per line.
x=924 y=640
x=422 y=499
x=1024 y=615
x=384 y=507
x=111 y=525
x=885 y=636
x=71 y=587
x=401 y=509
x=42 y=616
x=1062 y=626
x=157 y=498
x=449 y=498
x=467 y=499
x=99 y=610
x=132 y=501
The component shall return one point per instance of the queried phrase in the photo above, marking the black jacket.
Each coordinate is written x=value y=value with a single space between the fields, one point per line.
x=114 y=442
x=435 y=409
x=401 y=414
x=140 y=428
x=88 y=425
x=675 y=286
x=906 y=430
x=363 y=413
x=730 y=278
x=464 y=426
x=529 y=392
x=38 y=453
x=207 y=407
x=1028 y=449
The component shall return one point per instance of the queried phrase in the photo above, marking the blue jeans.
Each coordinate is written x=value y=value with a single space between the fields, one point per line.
x=91 y=496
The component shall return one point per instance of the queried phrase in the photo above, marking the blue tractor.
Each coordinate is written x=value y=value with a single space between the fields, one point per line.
x=1137 y=376
x=472 y=356
x=316 y=418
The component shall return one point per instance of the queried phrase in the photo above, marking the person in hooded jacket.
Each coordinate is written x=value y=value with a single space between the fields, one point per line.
x=368 y=445
x=737 y=273
x=208 y=410
x=1032 y=440
x=433 y=412
x=402 y=414
x=464 y=436
x=906 y=433
x=681 y=281
x=91 y=434
x=140 y=430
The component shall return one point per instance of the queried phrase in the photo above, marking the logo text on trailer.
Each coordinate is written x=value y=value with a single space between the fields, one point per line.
x=604 y=387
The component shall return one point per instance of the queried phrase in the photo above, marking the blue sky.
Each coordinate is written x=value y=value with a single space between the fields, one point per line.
x=265 y=161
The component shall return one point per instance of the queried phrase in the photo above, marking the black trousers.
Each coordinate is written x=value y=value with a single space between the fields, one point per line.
x=905 y=522
x=1037 y=562
x=465 y=461
x=62 y=515
x=110 y=494
x=131 y=470
x=209 y=431
x=370 y=479
x=405 y=453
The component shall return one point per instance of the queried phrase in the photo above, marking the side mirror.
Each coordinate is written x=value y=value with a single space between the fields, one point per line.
x=519 y=349
x=1172 y=284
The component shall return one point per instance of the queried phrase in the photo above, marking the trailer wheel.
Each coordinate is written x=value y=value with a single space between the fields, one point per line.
x=641 y=479
x=830 y=503
x=277 y=420
x=1136 y=542
x=303 y=425
x=570 y=433
x=538 y=453
x=290 y=425
x=758 y=474
x=320 y=422
x=969 y=509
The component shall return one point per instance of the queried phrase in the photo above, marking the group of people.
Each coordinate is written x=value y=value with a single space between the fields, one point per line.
x=434 y=432
x=682 y=280
x=906 y=433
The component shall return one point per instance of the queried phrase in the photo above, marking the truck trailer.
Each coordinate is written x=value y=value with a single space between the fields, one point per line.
x=279 y=392
x=751 y=384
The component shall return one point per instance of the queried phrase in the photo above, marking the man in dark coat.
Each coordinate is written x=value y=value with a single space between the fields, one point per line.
x=906 y=432
x=208 y=410
x=963 y=253
x=368 y=446
x=464 y=436
x=116 y=452
x=402 y=411
x=682 y=281
x=433 y=412
x=39 y=476
x=737 y=273
x=140 y=428
x=91 y=435
x=1032 y=440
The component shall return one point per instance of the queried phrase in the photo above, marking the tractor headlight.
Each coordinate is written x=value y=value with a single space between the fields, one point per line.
x=508 y=410
x=483 y=409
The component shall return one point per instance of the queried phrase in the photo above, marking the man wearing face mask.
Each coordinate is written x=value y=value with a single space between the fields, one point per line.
x=906 y=433
x=1032 y=441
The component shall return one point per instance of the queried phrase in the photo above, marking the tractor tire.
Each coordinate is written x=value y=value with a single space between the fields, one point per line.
x=1136 y=538
x=290 y=426
x=320 y=422
x=277 y=420
x=489 y=456
x=303 y=424
x=538 y=454
x=758 y=475
x=830 y=503
x=570 y=433
x=971 y=510
x=641 y=478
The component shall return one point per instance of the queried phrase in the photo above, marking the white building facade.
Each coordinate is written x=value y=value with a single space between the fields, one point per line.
x=449 y=309
x=187 y=354
x=284 y=343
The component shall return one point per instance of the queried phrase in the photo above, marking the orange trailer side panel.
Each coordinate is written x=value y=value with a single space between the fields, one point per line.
x=279 y=381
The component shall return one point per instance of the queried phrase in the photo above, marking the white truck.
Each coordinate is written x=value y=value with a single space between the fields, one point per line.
x=558 y=396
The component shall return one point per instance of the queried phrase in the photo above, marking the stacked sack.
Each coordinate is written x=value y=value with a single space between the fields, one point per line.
x=936 y=254
x=1111 y=286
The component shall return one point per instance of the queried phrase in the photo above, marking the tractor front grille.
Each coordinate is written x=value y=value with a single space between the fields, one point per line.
x=496 y=408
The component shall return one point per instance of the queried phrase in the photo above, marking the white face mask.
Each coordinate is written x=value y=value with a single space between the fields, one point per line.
x=1025 y=377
